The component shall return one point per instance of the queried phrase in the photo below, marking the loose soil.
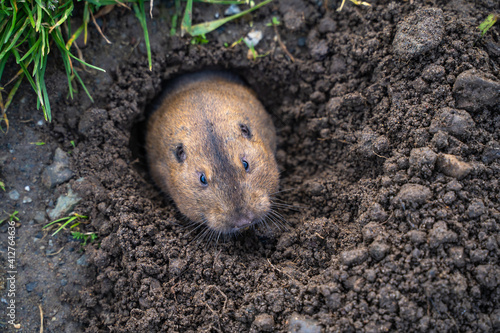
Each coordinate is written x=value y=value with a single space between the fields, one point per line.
x=389 y=150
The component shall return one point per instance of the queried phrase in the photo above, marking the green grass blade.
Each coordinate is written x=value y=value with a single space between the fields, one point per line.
x=12 y=93
x=14 y=39
x=141 y=16
x=64 y=17
x=175 y=17
x=223 y=2
x=46 y=111
x=38 y=23
x=65 y=224
x=86 y=64
x=58 y=220
x=206 y=27
x=32 y=49
x=83 y=85
x=187 y=19
x=28 y=76
x=30 y=14
x=14 y=19
x=3 y=62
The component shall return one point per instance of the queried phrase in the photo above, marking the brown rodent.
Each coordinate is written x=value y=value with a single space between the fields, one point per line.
x=211 y=146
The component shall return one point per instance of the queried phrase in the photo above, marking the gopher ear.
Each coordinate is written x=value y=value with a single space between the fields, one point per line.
x=245 y=131
x=180 y=154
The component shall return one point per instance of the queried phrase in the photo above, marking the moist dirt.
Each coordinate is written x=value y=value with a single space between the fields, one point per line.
x=388 y=120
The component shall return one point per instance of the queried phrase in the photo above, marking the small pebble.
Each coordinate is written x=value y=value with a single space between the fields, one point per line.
x=14 y=195
x=27 y=188
x=40 y=217
x=301 y=324
x=65 y=204
x=232 y=10
x=27 y=200
x=451 y=166
x=264 y=322
x=82 y=261
x=253 y=38
x=31 y=286
x=58 y=172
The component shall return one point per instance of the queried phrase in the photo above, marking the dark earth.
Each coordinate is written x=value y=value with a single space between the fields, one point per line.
x=389 y=150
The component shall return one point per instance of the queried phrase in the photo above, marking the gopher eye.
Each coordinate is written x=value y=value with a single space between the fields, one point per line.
x=203 y=179
x=245 y=164
x=180 y=154
x=245 y=131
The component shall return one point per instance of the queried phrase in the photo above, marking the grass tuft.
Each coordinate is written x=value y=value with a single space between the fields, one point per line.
x=66 y=221
x=29 y=30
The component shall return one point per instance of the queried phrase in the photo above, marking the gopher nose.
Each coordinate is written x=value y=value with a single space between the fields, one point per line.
x=242 y=221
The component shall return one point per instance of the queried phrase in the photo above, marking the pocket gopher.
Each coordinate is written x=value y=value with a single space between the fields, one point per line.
x=211 y=146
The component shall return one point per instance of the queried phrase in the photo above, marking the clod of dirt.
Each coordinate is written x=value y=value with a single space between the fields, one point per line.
x=354 y=257
x=488 y=275
x=327 y=24
x=413 y=195
x=433 y=72
x=294 y=14
x=476 y=209
x=474 y=90
x=58 y=172
x=457 y=256
x=453 y=121
x=416 y=236
x=371 y=144
x=422 y=161
x=495 y=318
x=420 y=32
x=451 y=166
x=371 y=231
x=440 y=234
x=491 y=152
x=378 y=250
x=301 y=324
